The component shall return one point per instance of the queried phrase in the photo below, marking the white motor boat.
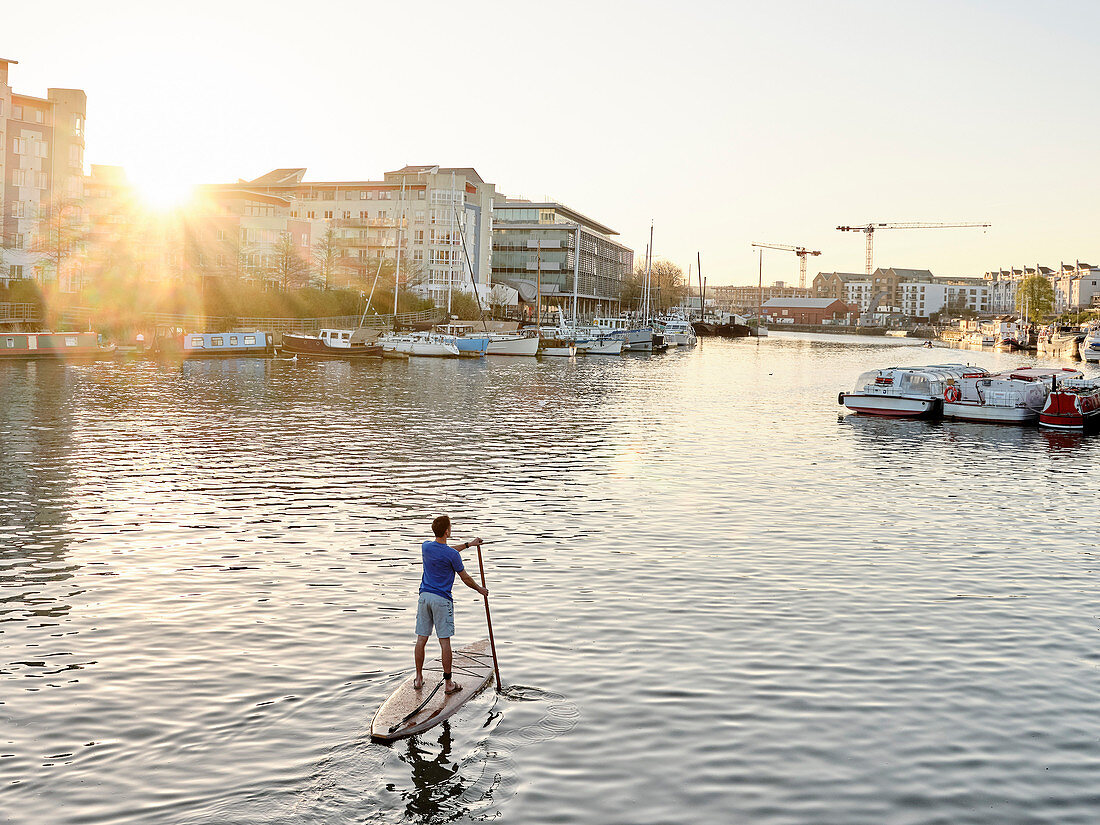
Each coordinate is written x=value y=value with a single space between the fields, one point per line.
x=612 y=345
x=421 y=344
x=1090 y=347
x=1014 y=397
x=905 y=392
x=676 y=332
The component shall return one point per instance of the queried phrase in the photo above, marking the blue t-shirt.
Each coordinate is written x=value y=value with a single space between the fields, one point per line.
x=440 y=565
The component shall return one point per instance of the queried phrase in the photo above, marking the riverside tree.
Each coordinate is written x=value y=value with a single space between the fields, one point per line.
x=1035 y=296
x=667 y=285
x=291 y=270
x=326 y=254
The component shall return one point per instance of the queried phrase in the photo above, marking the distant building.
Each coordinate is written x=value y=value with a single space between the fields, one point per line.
x=737 y=299
x=1076 y=285
x=41 y=182
x=575 y=259
x=806 y=311
x=913 y=293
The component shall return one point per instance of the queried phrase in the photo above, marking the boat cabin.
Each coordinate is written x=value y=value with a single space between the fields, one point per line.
x=220 y=344
x=48 y=344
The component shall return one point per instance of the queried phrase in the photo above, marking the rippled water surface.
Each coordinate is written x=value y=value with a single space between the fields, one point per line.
x=716 y=599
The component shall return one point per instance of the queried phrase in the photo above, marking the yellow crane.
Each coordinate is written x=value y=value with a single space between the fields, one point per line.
x=869 y=229
x=800 y=251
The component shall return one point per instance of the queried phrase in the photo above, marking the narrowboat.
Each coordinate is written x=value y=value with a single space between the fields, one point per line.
x=195 y=345
x=28 y=345
x=905 y=392
x=346 y=344
x=1073 y=405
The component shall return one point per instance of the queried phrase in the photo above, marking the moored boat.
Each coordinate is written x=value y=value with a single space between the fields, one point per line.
x=1090 y=347
x=1014 y=397
x=1073 y=405
x=905 y=392
x=676 y=331
x=34 y=345
x=333 y=343
x=635 y=338
x=195 y=345
x=421 y=345
x=1060 y=342
x=556 y=347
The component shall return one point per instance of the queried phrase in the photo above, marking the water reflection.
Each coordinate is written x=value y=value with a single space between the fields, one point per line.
x=438 y=787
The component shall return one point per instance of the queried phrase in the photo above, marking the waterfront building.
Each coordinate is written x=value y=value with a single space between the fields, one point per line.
x=913 y=293
x=575 y=259
x=421 y=213
x=1076 y=286
x=807 y=311
x=738 y=299
x=41 y=183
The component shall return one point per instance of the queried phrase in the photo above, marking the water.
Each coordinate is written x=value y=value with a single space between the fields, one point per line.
x=715 y=599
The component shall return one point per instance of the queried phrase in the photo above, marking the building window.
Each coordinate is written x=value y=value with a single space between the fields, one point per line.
x=328 y=214
x=420 y=195
x=37 y=115
x=41 y=149
x=17 y=112
x=311 y=215
x=40 y=180
x=18 y=178
x=19 y=209
x=15 y=271
x=18 y=146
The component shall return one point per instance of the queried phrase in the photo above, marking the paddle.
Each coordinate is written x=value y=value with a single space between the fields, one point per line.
x=488 y=618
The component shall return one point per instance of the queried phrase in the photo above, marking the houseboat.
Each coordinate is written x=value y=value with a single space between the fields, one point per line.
x=194 y=345
x=1014 y=397
x=1073 y=405
x=28 y=345
x=345 y=344
x=906 y=392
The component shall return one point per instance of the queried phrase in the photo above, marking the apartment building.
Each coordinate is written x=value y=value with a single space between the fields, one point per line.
x=1076 y=286
x=914 y=293
x=422 y=212
x=42 y=172
x=574 y=259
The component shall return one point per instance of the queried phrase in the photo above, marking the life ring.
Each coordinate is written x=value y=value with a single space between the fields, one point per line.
x=951 y=394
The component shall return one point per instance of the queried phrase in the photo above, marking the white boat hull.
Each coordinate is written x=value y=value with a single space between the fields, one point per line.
x=519 y=345
x=972 y=411
x=895 y=406
x=559 y=352
x=1090 y=354
x=609 y=346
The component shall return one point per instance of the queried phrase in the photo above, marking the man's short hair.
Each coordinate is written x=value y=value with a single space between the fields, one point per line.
x=441 y=525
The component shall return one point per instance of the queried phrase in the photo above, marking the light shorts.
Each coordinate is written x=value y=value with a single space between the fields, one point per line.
x=436 y=611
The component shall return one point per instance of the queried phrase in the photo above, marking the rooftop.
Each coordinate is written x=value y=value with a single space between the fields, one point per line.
x=519 y=203
x=800 y=303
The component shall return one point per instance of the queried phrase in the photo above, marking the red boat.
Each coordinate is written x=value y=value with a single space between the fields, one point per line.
x=1074 y=405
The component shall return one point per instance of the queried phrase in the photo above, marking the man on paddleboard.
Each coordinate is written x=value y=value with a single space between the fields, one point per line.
x=436 y=607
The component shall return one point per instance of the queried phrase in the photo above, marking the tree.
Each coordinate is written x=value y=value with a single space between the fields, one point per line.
x=290 y=270
x=326 y=253
x=58 y=235
x=1035 y=296
x=667 y=285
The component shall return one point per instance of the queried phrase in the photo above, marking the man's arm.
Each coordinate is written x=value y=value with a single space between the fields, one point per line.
x=470 y=543
x=468 y=580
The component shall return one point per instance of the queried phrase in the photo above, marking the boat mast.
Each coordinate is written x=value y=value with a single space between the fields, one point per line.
x=760 y=297
x=648 y=274
x=397 y=272
x=702 y=288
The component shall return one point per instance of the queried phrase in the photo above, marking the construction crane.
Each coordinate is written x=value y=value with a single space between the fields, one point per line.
x=869 y=230
x=800 y=251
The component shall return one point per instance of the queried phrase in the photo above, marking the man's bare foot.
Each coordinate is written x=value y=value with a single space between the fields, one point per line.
x=418 y=683
x=453 y=687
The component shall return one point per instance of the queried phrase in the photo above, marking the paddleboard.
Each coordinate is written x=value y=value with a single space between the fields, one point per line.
x=471 y=667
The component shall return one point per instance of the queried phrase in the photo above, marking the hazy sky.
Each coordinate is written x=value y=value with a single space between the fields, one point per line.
x=724 y=122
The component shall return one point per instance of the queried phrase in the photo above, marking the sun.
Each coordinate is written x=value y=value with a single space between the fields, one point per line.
x=161 y=189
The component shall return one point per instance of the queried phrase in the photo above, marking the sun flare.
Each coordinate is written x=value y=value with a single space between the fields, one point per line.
x=161 y=190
